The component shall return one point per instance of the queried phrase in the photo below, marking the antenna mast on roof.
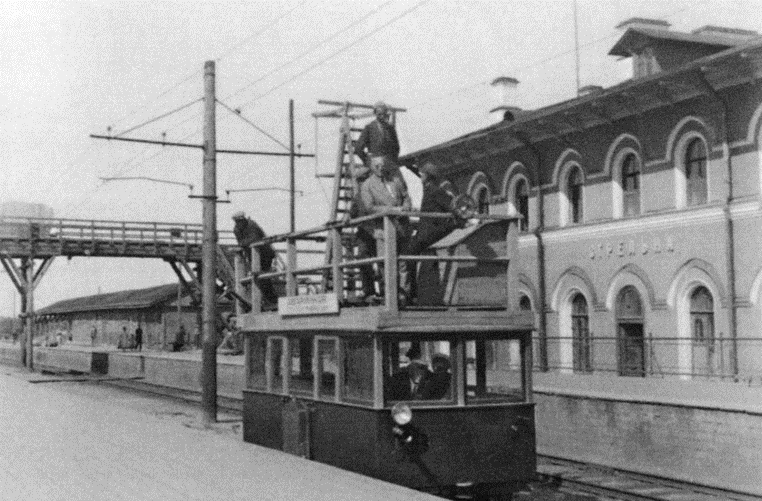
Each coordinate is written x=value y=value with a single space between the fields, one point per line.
x=576 y=47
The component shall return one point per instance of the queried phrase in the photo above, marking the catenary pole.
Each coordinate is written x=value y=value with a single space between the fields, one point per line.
x=292 y=189
x=208 y=256
x=29 y=311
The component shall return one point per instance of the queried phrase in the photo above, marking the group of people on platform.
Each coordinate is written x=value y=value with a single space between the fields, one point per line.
x=380 y=189
x=383 y=189
x=132 y=341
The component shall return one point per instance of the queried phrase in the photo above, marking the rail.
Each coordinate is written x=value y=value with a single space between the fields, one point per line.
x=655 y=356
x=388 y=256
x=24 y=228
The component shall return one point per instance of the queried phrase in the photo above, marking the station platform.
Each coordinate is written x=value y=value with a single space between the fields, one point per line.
x=59 y=445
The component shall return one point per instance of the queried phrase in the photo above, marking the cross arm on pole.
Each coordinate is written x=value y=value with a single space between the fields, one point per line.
x=200 y=146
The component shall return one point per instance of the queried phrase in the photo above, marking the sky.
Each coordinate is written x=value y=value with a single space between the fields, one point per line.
x=71 y=69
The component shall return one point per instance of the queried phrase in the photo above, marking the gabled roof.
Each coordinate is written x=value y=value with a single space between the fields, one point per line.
x=134 y=299
x=636 y=37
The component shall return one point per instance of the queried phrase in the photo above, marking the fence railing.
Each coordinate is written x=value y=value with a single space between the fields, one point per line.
x=93 y=230
x=649 y=356
x=387 y=257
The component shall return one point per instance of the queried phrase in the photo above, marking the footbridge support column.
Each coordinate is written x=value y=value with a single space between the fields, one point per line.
x=26 y=277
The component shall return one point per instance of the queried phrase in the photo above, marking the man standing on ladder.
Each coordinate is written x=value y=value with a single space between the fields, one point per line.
x=379 y=138
x=379 y=148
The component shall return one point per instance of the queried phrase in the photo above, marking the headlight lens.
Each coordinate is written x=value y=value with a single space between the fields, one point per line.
x=402 y=414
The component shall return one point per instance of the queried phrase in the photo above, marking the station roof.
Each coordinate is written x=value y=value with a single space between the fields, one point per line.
x=134 y=299
x=732 y=66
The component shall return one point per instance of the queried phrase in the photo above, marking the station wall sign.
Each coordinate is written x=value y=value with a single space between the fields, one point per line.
x=310 y=304
x=631 y=247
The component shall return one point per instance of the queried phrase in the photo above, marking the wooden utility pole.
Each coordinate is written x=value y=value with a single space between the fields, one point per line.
x=292 y=155
x=208 y=255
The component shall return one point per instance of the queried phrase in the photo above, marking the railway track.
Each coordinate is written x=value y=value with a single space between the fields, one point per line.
x=612 y=484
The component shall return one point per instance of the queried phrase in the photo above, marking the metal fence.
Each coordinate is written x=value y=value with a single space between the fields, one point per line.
x=649 y=356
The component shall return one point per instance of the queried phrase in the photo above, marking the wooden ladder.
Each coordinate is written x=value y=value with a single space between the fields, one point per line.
x=345 y=188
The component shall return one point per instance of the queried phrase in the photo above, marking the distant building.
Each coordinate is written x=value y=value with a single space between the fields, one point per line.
x=158 y=310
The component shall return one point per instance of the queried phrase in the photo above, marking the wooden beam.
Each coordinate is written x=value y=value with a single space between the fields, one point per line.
x=194 y=279
x=44 y=266
x=18 y=278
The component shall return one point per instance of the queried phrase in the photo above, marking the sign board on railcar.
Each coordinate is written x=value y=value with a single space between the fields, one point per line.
x=311 y=304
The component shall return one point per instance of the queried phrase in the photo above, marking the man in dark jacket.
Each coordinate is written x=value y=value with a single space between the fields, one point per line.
x=378 y=139
x=435 y=199
x=246 y=232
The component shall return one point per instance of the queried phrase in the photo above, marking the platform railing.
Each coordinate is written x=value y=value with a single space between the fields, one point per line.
x=654 y=356
x=94 y=230
x=388 y=257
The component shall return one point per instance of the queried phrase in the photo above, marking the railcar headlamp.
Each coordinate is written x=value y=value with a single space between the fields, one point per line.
x=402 y=414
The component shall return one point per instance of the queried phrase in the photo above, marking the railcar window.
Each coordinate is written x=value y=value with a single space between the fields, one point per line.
x=257 y=365
x=493 y=371
x=276 y=364
x=301 y=381
x=358 y=370
x=418 y=370
x=327 y=367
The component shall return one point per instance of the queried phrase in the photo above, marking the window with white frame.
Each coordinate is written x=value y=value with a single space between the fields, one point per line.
x=702 y=316
x=581 y=339
x=481 y=196
x=696 y=172
x=574 y=184
x=521 y=202
x=630 y=182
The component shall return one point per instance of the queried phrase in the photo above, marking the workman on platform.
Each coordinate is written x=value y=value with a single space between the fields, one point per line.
x=246 y=232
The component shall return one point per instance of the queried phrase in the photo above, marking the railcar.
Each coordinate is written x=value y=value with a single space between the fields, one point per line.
x=436 y=396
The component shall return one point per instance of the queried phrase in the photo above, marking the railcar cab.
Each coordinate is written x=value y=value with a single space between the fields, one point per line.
x=435 y=397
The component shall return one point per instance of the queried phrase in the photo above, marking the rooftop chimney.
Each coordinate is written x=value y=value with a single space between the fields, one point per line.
x=506 y=90
x=642 y=22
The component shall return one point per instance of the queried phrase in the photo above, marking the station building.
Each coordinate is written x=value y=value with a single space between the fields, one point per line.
x=642 y=208
x=640 y=252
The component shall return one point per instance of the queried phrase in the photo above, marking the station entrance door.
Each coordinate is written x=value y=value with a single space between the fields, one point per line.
x=630 y=336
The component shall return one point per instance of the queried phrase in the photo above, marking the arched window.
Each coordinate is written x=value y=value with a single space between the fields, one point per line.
x=574 y=195
x=525 y=304
x=521 y=202
x=630 y=186
x=702 y=316
x=695 y=172
x=581 y=339
x=630 y=338
x=482 y=200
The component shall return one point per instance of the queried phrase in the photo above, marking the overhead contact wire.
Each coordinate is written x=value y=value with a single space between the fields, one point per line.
x=238 y=114
x=336 y=53
x=159 y=117
x=311 y=49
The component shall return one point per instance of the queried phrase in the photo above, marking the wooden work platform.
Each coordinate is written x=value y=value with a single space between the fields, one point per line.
x=378 y=318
